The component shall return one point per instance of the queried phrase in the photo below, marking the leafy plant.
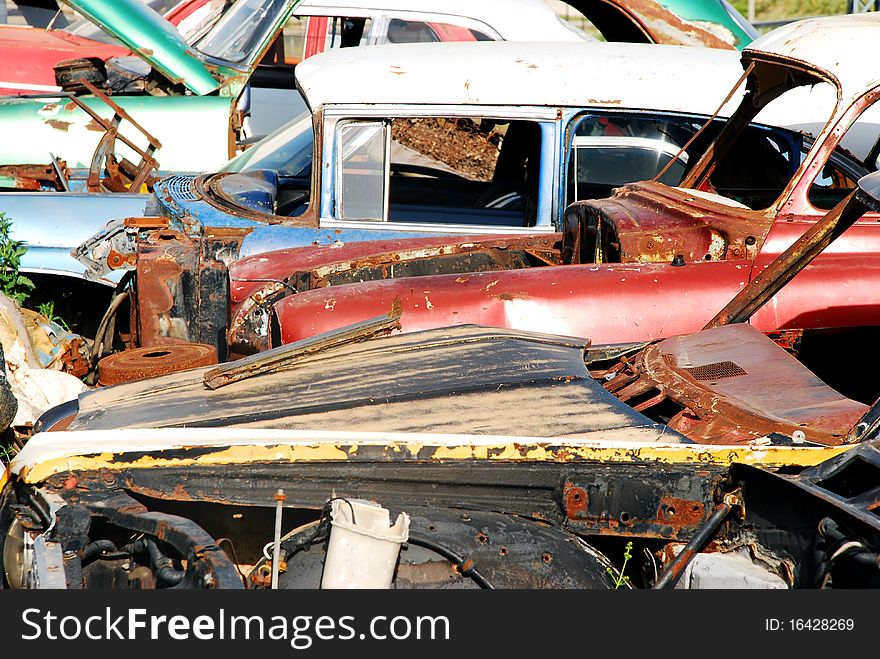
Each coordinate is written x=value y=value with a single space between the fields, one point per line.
x=12 y=283
x=48 y=310
x=619 y=578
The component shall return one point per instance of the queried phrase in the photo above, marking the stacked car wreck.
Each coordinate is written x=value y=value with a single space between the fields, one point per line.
x=530 y=398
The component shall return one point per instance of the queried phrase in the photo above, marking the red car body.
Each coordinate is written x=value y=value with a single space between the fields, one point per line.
x=607 y=303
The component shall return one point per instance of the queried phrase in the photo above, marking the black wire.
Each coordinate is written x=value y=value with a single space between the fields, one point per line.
x=42 y=513
x=322 y=530
x=454 y=558
x=350 y=507
x=235 y=559
x=292 y=546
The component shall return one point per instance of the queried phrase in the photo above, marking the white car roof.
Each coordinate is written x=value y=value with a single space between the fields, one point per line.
x=846 y=47
x=639 y=76
x=513 y=20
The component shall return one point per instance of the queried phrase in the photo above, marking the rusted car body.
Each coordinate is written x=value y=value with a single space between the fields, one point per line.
x=726 y=384
x=485 y=511
x=531 y=500
x=626 y=258
x=214 y=68
x=309 y=190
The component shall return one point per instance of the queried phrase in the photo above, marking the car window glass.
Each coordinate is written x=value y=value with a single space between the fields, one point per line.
x=361 y=159
x=241 y=29
x=403 y=31
x=464 y=171
x=287 y=150
x=400 y=31
x=305 y=36
x=88 y=30
x=830 y=186
x=609 y=151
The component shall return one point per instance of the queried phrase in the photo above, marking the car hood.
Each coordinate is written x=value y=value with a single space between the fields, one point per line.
x=151 y=37
x=493 y=382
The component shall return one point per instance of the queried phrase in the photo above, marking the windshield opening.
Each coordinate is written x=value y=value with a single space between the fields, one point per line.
x=241 y=30
x=754 y=168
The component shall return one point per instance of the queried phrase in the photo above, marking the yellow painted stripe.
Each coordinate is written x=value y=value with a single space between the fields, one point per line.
x=415 y=452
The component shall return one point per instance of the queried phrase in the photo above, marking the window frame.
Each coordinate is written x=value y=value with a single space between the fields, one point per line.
x=549 y=178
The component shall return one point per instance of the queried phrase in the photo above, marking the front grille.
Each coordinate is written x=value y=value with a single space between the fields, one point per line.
x=180 y=188
x=715 y=371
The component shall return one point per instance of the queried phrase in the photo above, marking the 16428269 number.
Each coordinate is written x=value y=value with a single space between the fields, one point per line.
x=821 y=624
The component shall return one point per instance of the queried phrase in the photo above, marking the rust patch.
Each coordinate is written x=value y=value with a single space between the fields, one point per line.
x=73 y=360
x=36 y=177
x=681 y=512
x=95 y=126
x=146 y=222
x=576 y=500
x=664 y=26
x=58 y=125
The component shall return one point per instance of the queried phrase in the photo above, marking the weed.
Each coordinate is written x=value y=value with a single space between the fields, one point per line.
x=620 y=578
x=12 y=283
x=48 y=310
x=6 y=454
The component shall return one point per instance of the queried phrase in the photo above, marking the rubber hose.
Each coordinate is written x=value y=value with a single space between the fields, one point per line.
x=97 y=547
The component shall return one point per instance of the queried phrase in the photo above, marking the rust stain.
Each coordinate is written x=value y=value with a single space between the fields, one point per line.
x=576 y=500
x=665 y=26
x=58 y=125
x=681 y=512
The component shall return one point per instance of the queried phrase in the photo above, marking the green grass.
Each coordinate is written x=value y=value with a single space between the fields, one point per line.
x=768 y=10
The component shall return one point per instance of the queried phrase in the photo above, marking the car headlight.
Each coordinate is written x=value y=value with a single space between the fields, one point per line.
x=18 y=555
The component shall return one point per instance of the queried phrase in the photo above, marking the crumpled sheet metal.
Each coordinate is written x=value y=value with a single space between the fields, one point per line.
x=56 y=348
x=36 y=388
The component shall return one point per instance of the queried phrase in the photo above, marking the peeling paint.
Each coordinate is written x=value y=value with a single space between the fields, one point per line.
x=400 y=447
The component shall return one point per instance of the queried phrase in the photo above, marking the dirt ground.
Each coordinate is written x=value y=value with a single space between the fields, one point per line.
x=465 y=146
